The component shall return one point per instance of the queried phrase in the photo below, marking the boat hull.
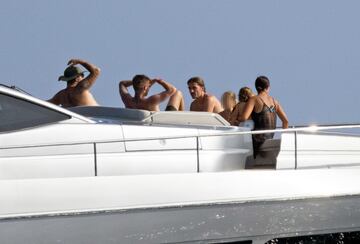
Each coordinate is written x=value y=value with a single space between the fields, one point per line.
x=258 y=221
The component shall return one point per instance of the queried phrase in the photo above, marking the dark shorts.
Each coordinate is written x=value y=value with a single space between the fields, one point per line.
x=170 y=108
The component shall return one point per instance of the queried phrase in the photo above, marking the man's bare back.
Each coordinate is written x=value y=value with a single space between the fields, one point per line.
x=70 y=97
x=141 y=85
x=142 y=103
x=77 y=92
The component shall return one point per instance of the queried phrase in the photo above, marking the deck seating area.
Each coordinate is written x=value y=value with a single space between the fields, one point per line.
x=144 y=116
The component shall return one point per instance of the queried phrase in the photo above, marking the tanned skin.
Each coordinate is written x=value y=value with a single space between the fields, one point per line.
x=77 y=91
x=256 y=104
x=141 y=101
x=237 y=112
x=202 y=101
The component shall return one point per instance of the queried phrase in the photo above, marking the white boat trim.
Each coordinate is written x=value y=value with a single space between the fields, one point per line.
x=38 y=197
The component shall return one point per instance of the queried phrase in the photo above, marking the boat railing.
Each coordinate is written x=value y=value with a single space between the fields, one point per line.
x=317 y=135
x=295 y=129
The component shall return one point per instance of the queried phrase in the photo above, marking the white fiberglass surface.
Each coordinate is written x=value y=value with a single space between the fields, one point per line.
x=54 y=166
x=149 y=162
x=61 y=195
x=144 y=138
x=324 y=149
x=327 y=150
x=61 y=133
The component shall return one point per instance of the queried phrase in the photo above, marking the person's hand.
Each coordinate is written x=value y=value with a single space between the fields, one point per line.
x=153 y=81
x=74 y=61
x=157 y=79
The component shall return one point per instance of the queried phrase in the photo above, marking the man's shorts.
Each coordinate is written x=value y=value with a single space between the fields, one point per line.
x=170 y=108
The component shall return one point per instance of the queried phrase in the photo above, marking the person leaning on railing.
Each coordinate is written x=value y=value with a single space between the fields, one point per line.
x=228 y=102
x=244 y=94
x=263 y=110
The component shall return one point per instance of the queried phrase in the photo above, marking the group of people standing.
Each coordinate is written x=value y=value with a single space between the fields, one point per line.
x=261 y=108
x=251 y=106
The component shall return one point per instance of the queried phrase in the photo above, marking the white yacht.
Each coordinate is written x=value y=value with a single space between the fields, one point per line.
x=111 y=175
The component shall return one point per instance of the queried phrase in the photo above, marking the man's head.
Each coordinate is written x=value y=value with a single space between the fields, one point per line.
x=141 y=84
x=262 y=83
x=196 y=87
x=72 y=74
x=228 y=100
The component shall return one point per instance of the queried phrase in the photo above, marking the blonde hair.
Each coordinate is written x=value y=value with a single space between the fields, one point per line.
x=245 y=93
x=228 y=96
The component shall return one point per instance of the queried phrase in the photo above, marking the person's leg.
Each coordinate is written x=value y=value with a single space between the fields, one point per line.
x=176 y=101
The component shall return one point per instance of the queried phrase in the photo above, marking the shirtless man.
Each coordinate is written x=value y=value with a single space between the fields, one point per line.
x=77 y=91
x=202 y=101
x=142 y=85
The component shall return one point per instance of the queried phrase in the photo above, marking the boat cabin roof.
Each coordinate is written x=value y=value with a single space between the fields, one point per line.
x=116 y=115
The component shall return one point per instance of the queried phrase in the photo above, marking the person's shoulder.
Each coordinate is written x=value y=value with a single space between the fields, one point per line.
x=276 y=102
x=254 y=99
x=210 y=97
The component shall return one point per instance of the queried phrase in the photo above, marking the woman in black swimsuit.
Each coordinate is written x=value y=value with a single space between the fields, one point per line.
x=263 y=110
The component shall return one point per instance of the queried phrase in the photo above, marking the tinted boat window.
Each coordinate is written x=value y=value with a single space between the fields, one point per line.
x=19 y=114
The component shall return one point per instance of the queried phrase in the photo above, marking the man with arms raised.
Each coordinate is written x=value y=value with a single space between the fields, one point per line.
x=77 y=91
x=202 y=101
x=142 y=85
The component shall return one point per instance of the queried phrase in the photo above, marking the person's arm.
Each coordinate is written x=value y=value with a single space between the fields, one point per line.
x=124 y=93
x=192 y=106
x=87 y=82
x=234 y=115
x=282 y=115
x=169 y=91
x=249 y=107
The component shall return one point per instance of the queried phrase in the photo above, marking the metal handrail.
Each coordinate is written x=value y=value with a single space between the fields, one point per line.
x=310 y=129
x=253 y=132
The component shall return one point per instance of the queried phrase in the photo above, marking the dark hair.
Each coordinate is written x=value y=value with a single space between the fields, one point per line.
x=73 y=80
x=262 y=83
x=138 y=80
x=244 y=94
x=197 y=80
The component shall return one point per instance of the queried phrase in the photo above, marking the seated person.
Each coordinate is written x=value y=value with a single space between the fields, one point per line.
x=244 y=94
x=77 y=91
x=142 y=85
x=263 y=109
x=202 y=101
x=228 y=102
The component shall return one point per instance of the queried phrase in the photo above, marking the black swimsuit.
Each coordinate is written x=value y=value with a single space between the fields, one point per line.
x=264 y=120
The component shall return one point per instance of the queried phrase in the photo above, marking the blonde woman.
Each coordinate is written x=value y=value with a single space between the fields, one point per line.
x=244 y=94
x=228 y=102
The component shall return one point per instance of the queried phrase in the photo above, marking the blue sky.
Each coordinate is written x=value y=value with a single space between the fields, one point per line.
x=308 y=49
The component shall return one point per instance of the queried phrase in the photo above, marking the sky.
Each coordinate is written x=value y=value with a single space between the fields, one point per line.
x=308 y=49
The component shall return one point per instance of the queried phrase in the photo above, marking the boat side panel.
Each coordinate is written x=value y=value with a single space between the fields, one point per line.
x=47 y=161
x=327 y=151
x=256 y=221
x=224 y=153
x=286 y=157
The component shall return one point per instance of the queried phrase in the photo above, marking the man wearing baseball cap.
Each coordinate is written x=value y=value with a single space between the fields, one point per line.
x=77 y=91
